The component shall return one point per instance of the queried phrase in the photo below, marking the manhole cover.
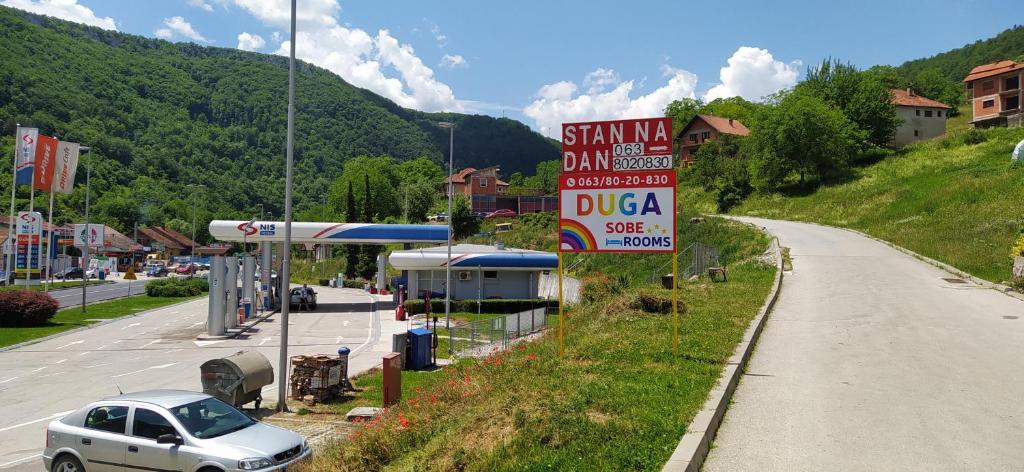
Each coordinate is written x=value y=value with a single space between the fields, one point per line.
x=955 y=281
x=1010 y=317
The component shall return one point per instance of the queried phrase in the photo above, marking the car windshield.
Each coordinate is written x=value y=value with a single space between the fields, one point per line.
x=210 y=418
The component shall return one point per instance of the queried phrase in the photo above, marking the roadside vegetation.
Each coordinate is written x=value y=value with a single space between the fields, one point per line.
x=57 y=285
x=71 y=318
x=955 y=199
x=618 y=400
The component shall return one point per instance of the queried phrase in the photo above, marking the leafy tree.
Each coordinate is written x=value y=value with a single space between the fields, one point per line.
x=872 y=110
x=722 y=167
x=351 y=250
x=682 y=111
x=463 y=222
x=367 y=264
x=802 y=136
x=733 y=107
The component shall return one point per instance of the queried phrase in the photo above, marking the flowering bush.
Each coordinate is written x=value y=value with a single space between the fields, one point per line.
x=26 y=308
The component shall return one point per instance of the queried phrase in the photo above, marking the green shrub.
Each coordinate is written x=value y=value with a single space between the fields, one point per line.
x=1018 y=247
x=974 y=136
x=496 y=306
x=352 y=283
x=177 y=287
x=26 y=308
x=652 y=301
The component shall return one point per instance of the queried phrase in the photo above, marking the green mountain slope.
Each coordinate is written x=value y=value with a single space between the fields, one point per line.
x=161 y=115
x=952 y=201
x=955 y=64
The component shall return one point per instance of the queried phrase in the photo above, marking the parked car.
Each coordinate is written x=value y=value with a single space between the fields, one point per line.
x=6 y=279
x=502 y=213
x=438 y=218
x=92 y=273
x=157 y=271
x=185 y=269
x=69 y=273
x=168 y=430
x=298 y=293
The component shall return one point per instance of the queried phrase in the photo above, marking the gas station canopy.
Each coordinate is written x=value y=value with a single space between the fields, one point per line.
x=328 y=233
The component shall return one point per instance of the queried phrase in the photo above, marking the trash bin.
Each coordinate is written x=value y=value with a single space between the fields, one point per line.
x=238 y=378
x=666 y=281
x=420 y=340
x=102 y=274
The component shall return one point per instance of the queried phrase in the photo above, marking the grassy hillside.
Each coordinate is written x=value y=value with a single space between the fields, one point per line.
x=958 y=203
x=160 y=115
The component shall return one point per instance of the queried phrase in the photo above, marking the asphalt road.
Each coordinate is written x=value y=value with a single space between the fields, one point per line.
x=871 y=360
x=97 y=293
x=159 y=349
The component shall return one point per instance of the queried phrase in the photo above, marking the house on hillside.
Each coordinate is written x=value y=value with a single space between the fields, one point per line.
x=482 y=187
x=995 y=93
x=922 y=118
x=165 y=241
x=703 y=129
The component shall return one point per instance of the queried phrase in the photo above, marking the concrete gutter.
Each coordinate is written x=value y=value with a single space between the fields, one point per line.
x=693 y=448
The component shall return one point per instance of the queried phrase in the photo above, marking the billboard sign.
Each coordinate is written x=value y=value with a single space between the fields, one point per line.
x=617 y=212
x=622 y=145
x=25 y=154
x=95 y=235
x=28 y=231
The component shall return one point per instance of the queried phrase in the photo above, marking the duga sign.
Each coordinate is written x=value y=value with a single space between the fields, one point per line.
x=617 y=212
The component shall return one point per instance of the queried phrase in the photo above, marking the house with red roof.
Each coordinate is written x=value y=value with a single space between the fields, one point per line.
x=704 y=129
x=481 y=186
x=995 y=93
x=923 y=118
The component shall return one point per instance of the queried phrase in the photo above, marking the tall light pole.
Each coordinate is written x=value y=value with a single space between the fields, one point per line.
x=323 y=253
x=451 y=195
x=192 y=254
x=282 y=368
x=87 y=238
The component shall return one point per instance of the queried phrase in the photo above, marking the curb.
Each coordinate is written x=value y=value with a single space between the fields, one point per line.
x=694 y=446
x=94 y=325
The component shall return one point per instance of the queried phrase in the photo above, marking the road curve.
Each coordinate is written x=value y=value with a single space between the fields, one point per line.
x=871 y=360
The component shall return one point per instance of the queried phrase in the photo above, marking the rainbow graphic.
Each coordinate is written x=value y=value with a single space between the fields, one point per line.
x=576 y=236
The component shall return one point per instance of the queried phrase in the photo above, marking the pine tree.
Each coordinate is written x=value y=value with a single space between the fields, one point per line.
x=351 y=250
x=368 y=253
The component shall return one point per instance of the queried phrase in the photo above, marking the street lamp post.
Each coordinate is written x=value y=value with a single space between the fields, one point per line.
x=282 y=381
x=192 y=254
x=87 y=238
x=451 y=195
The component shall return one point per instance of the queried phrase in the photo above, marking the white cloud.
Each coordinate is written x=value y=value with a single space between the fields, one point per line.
x=250 y=42
x=201 y=5
x=441 y=38
x=561 y=102
x=598 y=80
x=276 y=37
x=753 y=73
x=355 y=55
x=68 y=10
x=178 y=26
x=452 y=61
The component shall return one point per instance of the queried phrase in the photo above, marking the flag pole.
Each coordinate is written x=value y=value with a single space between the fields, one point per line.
x=31 y=209
x=49 y=243
x=9 y=259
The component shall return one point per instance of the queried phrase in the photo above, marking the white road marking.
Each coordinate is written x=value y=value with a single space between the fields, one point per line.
x=173 y=350
x=40 y=420
x=198 y=323
x=50 y=375
x=8 y=380
x=162 y=366
x=70 y=344
x=37 y=370
x=97 y=365
x=265 y=340
x=19 y=461
x=131 y=326
x=84 y=353
x=102 y=347
x=336 y=340
x=207 y=343
x=62 y=360
x=150 y=343
x=118 y=341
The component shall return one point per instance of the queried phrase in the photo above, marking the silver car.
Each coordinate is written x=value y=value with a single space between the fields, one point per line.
x=167 y=430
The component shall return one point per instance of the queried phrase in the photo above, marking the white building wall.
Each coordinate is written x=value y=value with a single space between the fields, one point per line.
x=926 y=127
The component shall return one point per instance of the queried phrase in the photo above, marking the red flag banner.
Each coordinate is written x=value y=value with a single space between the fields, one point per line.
x=46 y=159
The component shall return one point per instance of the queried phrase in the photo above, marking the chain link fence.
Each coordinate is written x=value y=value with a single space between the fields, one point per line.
x=478 y=337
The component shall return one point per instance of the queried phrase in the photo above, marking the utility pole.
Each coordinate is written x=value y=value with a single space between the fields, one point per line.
x=192 y=254
x=88 y=228
x=451 y=196
x=282 y=371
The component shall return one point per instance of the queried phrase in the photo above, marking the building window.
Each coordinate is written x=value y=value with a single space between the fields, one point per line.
x=988 y=104
x=916 y=133
x=1012 y=83
x=988 y=85
x=938 y=113
x=927 y=113
x=918 y=112
x=705 y=135
x=693 y=137
x=490 y=274
x=483 y=182
x=1012 y=103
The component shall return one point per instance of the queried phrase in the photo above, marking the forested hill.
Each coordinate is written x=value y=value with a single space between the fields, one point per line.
x=955 y=64
x=161 y=115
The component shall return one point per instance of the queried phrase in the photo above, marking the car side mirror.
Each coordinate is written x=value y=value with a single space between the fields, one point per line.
x=169 y=439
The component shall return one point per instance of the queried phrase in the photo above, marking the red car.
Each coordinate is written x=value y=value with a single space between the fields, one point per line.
x=503 y=213
x=186 y=269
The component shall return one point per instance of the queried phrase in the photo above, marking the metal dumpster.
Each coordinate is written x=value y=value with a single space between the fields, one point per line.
x=238 y=378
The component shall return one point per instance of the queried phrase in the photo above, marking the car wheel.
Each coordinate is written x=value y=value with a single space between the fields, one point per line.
x=68 y=463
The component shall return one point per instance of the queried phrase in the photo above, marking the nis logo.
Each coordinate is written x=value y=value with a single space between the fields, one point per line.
x=264 y=229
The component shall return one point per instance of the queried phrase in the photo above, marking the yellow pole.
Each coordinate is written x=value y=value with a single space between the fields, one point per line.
x=675 y=303
x=561 y=310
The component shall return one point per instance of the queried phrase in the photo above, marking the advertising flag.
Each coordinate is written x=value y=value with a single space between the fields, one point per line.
x=46 y=155
x=25 y=154
x=65 y=167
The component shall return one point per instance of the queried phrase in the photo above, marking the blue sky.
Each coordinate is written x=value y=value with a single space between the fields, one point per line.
x=544 y=62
